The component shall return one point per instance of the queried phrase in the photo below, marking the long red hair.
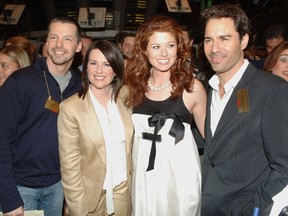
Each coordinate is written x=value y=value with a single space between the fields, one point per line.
x=138 y=68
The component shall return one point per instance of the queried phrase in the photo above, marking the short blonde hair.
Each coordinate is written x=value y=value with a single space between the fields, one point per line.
x=18 y=55
x=25 y=44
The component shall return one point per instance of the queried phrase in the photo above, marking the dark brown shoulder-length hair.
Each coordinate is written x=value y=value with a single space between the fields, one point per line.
x=115 y=59
x=138 y=69
x=274 y=55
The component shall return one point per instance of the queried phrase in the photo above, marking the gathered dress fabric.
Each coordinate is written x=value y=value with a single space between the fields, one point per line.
x=167 y=177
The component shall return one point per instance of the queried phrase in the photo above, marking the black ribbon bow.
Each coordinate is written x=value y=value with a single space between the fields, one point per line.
x=158 y=121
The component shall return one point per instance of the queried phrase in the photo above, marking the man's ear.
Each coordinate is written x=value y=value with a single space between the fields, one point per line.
x=244 y=41
x=79 y=46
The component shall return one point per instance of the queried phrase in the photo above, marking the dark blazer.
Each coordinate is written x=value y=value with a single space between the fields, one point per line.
x=245 y=163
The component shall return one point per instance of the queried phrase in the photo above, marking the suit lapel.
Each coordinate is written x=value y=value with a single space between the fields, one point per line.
x=92 y=127
x=229 y=112
x=208 y=133
x=231 y=109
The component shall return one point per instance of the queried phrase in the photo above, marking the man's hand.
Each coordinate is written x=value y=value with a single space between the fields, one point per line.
x=16 y=212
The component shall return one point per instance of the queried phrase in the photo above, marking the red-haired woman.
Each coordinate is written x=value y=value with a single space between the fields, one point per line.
x=164 y=96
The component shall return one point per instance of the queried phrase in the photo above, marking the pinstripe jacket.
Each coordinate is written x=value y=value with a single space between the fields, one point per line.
x=245 y=163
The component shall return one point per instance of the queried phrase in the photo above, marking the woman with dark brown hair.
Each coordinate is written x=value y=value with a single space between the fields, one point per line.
x=164 y=96
x=95 y=138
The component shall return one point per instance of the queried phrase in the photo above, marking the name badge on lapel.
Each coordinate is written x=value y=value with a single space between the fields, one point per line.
x=52 y=105
x=243 y=100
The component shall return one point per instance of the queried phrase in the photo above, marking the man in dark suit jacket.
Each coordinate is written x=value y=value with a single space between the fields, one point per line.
x=245 y=161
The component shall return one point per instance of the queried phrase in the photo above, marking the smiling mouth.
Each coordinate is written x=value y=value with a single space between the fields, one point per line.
x=163 y=61
x=216 y=60
x=99 y=77
x=59 y=52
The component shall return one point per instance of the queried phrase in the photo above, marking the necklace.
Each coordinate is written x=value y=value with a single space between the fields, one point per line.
x=158 y=88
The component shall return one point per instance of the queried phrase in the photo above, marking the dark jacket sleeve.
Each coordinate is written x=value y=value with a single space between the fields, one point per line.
x=10 y=110
x=275 y=136
x=275 y=142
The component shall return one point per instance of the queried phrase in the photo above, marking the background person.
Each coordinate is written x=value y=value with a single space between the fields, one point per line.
x=42 y=46
x=86 y=43
x=277 y=61
x=198 y=65
x=25 y=44
x=272 y=36
x=11 y=59
x=128 y=41
x=118 y=39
